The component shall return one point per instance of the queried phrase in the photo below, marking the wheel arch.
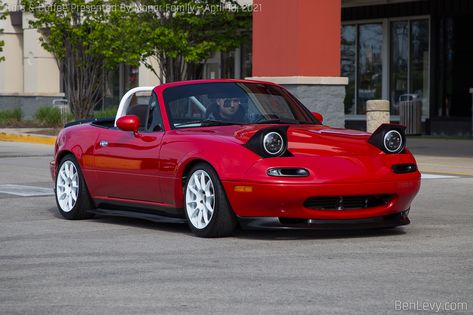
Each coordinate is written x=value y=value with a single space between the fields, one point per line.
x=183 y=174
x=75 y=151
x=188 y=166
x=61 y=155
x=226 y=217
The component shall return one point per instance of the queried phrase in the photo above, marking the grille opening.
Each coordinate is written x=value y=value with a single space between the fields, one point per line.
x=347 y=202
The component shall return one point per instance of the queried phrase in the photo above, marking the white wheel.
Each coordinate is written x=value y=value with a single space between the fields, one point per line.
x=207 y=209
x=72 y=197
x=67 y=186
x=200 y=199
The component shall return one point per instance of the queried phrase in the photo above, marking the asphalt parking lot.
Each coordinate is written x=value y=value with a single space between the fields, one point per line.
x=115 y=265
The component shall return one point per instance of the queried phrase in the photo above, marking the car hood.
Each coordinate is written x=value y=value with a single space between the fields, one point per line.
x=304 y=139
x=326 y=141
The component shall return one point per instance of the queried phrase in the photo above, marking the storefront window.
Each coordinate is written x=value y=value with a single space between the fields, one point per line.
x=409 y=64
x=399 y=64
x=419 y=67
x=407 y=54
x=370 y=64
x=212 y=66
x=228 y=64
x=348 y=65
x=131 y=77
x=119 y=81
x=111 y=91
x=246 y=58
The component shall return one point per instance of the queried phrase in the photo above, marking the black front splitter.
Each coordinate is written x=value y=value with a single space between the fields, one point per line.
x=393 y=220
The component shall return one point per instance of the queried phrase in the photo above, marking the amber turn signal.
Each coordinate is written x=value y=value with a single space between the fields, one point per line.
x=243 y=188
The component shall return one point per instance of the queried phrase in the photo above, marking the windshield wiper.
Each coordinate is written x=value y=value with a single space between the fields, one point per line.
x=205 y=122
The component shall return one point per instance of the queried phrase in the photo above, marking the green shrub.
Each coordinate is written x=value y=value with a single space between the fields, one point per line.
x=70 y=117
x=49 y=116
x=10 y=115
x=108 y=112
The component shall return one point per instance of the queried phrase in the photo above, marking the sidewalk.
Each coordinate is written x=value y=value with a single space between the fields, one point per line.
x=443 y=156
x=30 y=135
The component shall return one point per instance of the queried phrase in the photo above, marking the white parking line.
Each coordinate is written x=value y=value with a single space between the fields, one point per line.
x=25 y=191
x=437 y=176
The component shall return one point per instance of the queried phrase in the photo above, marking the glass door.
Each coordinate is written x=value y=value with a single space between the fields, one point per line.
x=370 y=64
x=409 y=65
x=399 y=79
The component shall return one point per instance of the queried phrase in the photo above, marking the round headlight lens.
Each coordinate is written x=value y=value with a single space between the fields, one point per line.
x=273 y=143
x=393 y=141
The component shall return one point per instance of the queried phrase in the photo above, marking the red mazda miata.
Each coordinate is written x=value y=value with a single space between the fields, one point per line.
x=223 y=153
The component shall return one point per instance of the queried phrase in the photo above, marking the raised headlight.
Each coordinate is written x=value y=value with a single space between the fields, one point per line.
x=390 y=138
x=393 y=141
x=270 y=142
x=273 y=143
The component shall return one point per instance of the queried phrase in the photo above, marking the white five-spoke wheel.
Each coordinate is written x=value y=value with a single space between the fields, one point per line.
x=207 y=209
x=72 y=196
x=67 y=186
x=200 y=199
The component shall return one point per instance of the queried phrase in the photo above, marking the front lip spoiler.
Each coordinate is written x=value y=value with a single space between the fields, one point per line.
x=258 y=223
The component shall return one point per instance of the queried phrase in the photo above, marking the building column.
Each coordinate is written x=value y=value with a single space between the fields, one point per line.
x=146 y=77
x=296 y=43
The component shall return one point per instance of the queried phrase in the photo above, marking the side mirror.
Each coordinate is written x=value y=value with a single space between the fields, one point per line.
x=129 y=123
x=318 y=116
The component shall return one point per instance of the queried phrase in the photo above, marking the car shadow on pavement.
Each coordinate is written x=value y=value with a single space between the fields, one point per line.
x=277 y=235
x=181 y=228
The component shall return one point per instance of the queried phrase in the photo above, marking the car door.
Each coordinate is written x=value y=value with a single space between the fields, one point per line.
x=127 y=164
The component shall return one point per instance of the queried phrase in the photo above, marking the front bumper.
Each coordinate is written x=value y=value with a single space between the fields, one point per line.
x=283 y=200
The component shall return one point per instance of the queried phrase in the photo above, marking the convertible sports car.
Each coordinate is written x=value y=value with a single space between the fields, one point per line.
x=222 y=153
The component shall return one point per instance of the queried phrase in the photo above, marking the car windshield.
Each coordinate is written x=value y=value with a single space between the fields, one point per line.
x=228 y=103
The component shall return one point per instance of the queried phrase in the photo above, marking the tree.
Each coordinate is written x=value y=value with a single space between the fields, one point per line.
x=181 y=34
x=2 y=17
x=87 y=38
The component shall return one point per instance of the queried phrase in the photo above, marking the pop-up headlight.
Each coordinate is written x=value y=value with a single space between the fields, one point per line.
x=389 y=138
x=269 y=142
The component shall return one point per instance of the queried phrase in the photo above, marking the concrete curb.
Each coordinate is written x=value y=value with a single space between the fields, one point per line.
x=39 y=139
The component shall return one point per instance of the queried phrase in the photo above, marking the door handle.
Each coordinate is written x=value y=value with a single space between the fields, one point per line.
x=103 y=143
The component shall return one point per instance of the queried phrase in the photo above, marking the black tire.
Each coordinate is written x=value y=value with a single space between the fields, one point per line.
x=223 y=221
x=83 y=204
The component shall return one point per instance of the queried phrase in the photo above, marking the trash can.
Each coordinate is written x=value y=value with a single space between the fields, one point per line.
x=410 y=114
